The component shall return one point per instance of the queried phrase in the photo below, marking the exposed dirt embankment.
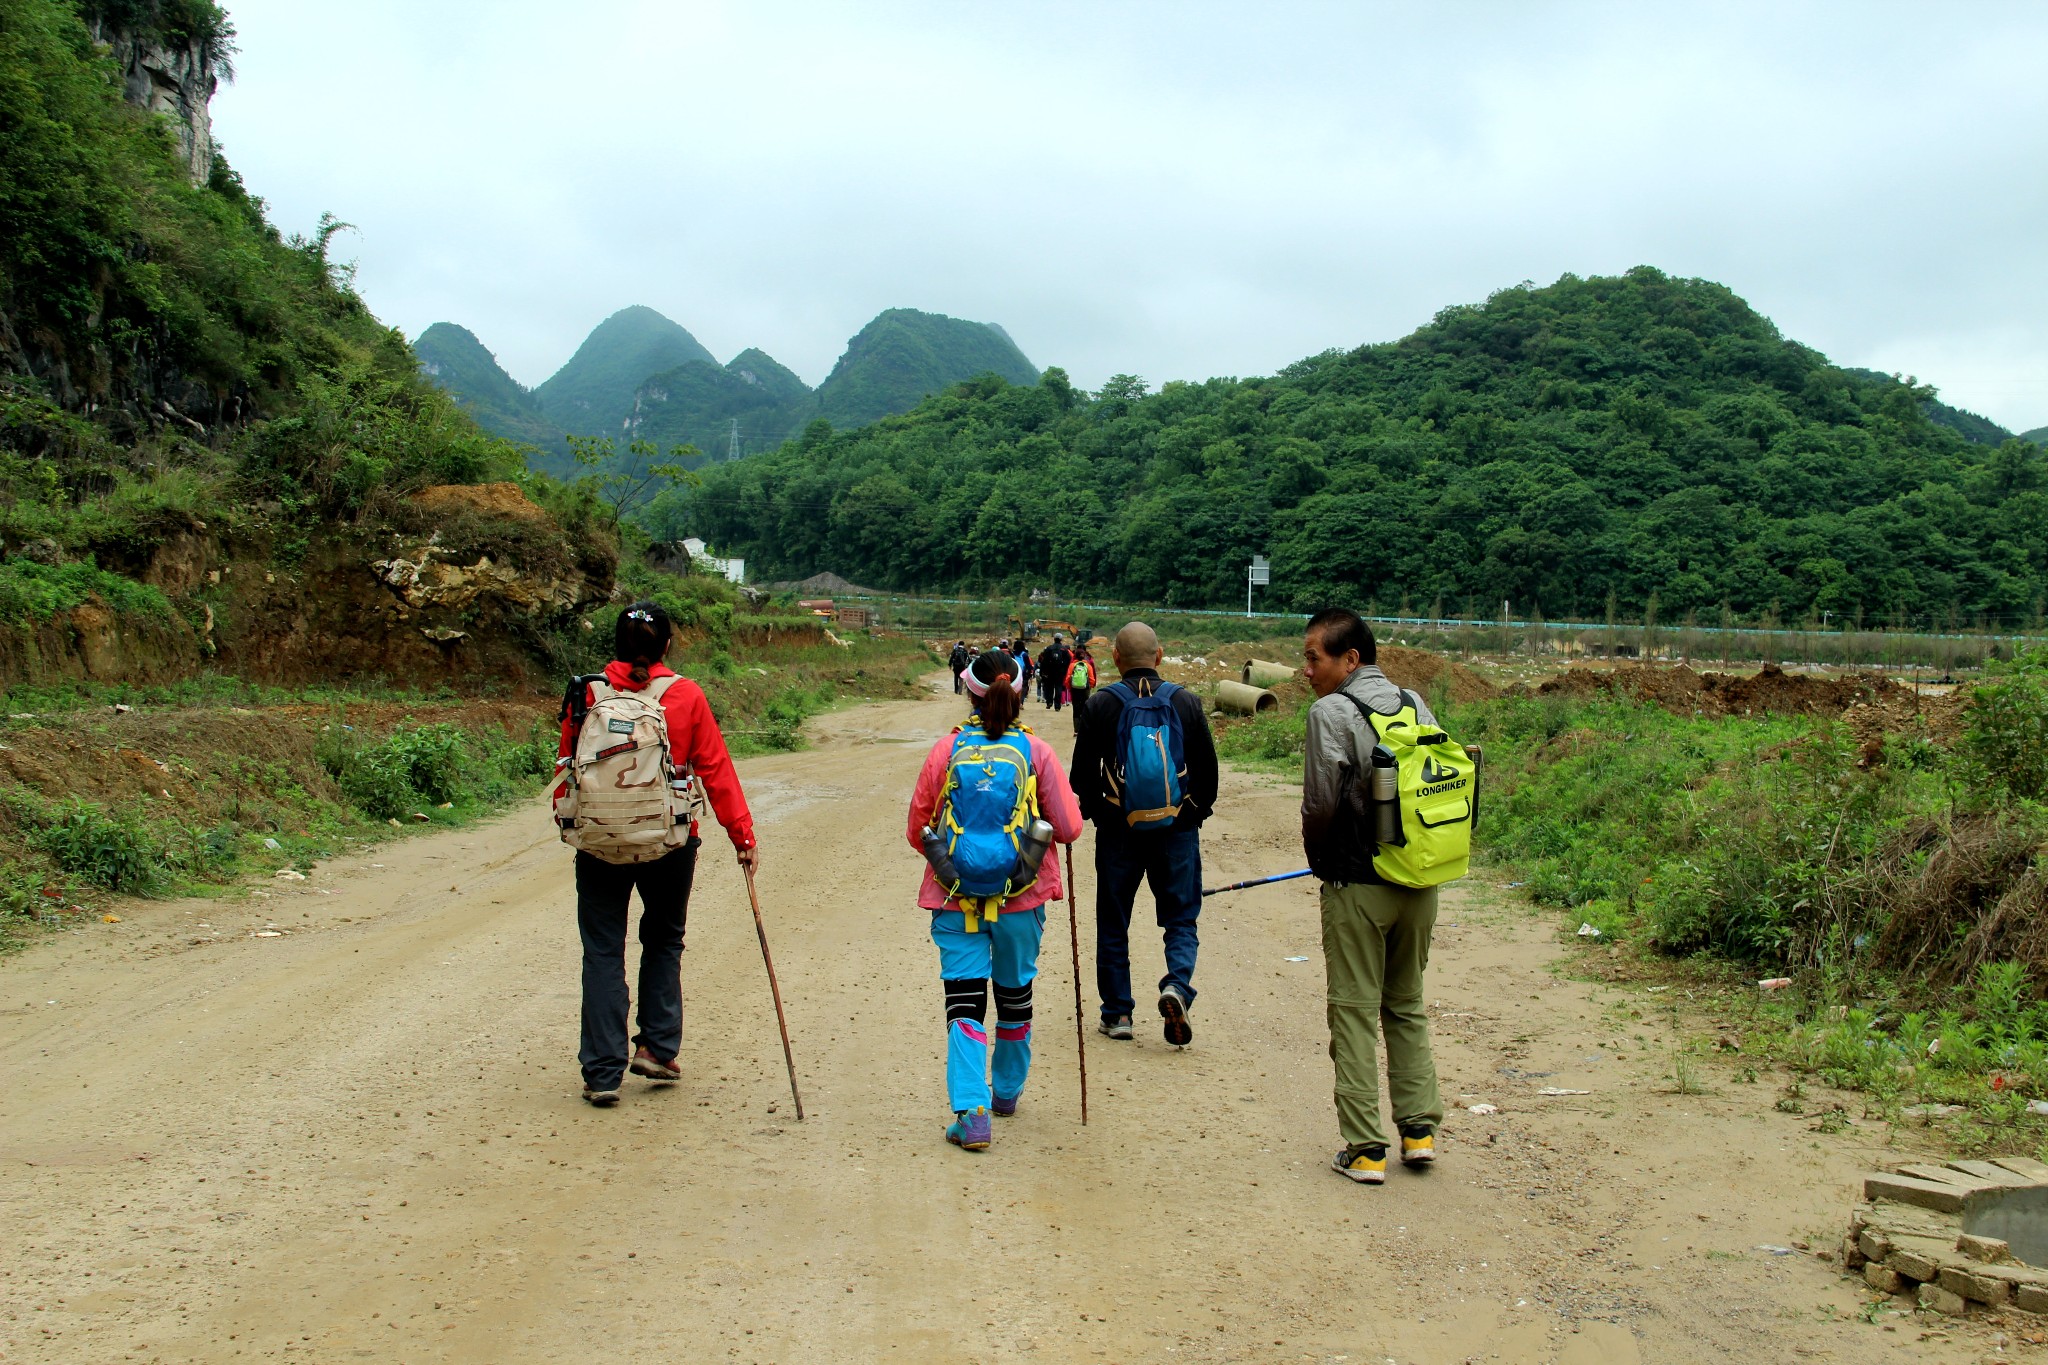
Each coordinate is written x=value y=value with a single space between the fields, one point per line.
x=459 y=584
x=1773 y=690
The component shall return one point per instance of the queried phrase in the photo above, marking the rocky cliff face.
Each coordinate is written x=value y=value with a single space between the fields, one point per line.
x=175 y=80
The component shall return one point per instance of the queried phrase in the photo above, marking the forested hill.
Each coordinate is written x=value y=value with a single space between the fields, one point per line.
x=593 y=393
x=1633 y=439
x=1962 y=421
x=639 y=376
x=453 y=358
x=895 y=361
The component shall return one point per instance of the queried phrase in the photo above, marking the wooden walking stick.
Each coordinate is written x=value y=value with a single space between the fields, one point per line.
x=1074 y=937
x=775 y=989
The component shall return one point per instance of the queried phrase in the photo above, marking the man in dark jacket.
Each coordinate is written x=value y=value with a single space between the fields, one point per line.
x=1052 y=673
x=1169 y=859
x=958 y=662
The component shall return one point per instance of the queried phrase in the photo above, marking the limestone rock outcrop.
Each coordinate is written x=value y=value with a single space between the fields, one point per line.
x=176 y=80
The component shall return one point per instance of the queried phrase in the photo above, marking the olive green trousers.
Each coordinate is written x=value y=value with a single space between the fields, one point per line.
x=1375 y=950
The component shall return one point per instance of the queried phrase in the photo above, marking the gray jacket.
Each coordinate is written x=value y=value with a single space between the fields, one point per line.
x=1334 y=823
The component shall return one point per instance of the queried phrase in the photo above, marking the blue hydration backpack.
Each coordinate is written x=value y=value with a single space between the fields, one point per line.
x=990 y=797
x=1148 y=768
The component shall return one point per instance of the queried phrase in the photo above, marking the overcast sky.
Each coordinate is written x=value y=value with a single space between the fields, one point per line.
x=1172 y=190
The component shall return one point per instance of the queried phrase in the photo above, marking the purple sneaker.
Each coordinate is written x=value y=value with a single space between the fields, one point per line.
x=970 y=1131
x=1005 y=1107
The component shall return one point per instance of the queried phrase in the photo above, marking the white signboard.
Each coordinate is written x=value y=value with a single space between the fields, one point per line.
x=1262 y=572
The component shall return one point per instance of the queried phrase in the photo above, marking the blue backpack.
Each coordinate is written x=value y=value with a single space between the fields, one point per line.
x=1148 y=767
x=990 y=797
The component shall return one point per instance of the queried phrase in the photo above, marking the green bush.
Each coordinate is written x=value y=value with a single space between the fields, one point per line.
x=31 y=592
x=414 y=766
x=2006 y=734
x=421 y=766
x=110 y=849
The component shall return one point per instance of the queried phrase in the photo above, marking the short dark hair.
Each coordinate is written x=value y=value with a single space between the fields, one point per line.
x=1343 y=630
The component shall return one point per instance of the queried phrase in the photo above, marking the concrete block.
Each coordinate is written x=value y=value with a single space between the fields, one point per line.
x=1946 y=1175
x=1943 y=1301
x=2013 y=1274
x=2032 y=1297
x=1921 y=1258
x=1940 y=1196
x=1987 y=1249
x=1976 y=1288
x=1883 y=1278
x=1874 y=1244
x=2023 y=1166
x=1986 y=1170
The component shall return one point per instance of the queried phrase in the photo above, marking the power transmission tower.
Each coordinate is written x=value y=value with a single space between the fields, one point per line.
x=732 y=445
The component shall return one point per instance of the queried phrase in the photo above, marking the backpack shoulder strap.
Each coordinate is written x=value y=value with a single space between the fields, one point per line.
x=1123 y=691
x=660 y=686
x=1165 y=689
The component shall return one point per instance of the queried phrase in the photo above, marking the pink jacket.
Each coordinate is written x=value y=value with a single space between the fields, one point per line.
x=1055 y=800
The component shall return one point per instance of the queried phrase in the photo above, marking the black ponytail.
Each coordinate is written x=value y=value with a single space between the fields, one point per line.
x=1000 y=704
x=640 y=637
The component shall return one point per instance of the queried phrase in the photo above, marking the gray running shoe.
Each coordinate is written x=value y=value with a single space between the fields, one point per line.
x=1174 y=1010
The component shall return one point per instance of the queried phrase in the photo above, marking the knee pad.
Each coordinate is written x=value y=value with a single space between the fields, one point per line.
x=1013 y=1004
x=967 y=999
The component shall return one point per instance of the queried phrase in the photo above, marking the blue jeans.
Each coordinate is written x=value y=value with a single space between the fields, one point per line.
x=1171 y=860
x=1006 y=948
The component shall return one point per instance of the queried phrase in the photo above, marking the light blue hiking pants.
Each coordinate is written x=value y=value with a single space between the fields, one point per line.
x=1005 y=950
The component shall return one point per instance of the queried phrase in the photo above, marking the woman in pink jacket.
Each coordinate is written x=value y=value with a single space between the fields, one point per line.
x=975 y=946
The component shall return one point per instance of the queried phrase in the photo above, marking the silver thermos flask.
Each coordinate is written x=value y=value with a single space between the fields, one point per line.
x=1386 y=796
x=1032 y=846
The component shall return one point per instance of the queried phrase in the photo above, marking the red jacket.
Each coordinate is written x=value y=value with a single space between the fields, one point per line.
x=693 y=740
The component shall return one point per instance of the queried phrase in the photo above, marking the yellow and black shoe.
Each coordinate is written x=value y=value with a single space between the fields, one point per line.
x=1366 y=1164
x=1418 y=1146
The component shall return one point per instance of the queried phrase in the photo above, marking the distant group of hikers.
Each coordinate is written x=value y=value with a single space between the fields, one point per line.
x=1063 y=675
x=1388 y=801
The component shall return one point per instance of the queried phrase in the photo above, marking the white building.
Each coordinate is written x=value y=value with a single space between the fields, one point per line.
x=733 y=569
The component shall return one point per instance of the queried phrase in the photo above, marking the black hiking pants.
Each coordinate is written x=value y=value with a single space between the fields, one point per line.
x=602 y=892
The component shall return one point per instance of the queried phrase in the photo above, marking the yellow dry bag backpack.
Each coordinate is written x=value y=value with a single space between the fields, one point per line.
x=1422 y=797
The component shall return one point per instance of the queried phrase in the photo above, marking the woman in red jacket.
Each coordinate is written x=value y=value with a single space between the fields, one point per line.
x=640 y=640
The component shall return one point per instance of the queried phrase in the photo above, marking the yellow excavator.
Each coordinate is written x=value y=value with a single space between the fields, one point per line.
x=1030 y=630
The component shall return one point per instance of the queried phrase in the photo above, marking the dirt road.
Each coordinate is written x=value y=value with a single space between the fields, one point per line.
x=340 y=1121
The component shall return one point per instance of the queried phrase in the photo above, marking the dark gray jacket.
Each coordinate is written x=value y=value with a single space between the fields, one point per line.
x=1335 y=824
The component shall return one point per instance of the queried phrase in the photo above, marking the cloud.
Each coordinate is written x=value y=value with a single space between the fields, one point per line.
x=1170 y=190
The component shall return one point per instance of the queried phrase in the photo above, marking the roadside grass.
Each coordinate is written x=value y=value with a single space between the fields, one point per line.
x=95 y=806
x=201 y=784
x=1902 y=895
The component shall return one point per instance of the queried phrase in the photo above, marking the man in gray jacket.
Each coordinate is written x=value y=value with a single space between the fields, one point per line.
x=1375 y=934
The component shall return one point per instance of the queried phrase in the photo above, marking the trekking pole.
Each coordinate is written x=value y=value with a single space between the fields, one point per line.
x=1256 y=881
x=774 y=989
x=1074 y=938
